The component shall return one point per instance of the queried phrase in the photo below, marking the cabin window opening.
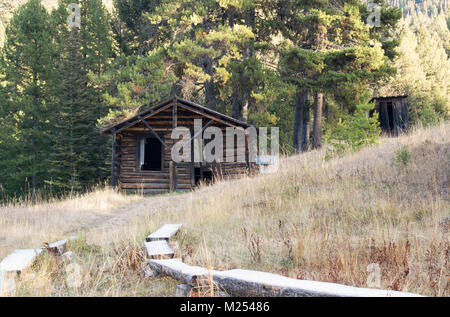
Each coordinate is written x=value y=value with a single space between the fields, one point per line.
x=150 y=154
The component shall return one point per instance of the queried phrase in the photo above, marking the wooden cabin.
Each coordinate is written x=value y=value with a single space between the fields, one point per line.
x=392 y=114
x=141 y=149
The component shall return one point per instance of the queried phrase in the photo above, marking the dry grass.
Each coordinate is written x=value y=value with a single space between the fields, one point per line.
x=27 y=226
x=314 y=219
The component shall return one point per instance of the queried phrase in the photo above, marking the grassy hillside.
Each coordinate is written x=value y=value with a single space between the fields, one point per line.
x=314 y=219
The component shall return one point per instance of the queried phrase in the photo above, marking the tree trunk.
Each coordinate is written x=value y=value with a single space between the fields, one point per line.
x=298 y=122
x=249 y=51
x=305 y=124
x=245 y=110
x=35 y=131
x=210 y=96
x=235 y=111
x=99 y=137
x=317 y=128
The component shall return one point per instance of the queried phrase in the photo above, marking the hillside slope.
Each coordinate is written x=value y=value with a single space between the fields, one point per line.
x=314 y=219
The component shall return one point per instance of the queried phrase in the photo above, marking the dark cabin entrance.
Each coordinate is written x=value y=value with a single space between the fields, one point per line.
x=203 y=176
x=203 y=171
x=392 y=114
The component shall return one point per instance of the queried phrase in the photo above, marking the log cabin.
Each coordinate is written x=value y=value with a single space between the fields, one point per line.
x=141 y=149
x=392 y=114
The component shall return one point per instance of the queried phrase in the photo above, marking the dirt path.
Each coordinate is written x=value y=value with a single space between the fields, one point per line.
x=122 y=216
x=102 y=215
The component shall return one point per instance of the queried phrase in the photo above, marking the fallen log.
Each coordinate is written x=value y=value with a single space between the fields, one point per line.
x=178 y=270
x=253 y=283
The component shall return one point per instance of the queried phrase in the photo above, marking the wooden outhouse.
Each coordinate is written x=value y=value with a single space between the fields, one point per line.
x=392 y=114
x=142 y=146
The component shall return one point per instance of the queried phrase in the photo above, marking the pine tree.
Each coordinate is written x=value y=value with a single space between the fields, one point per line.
x=334 y=47
x=99 y=48
x=422 y=71
x=85 y=54
x=72 y=144
x=28 y=57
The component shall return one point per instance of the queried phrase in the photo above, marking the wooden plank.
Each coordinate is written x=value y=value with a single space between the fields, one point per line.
x=146 y=116
x=146 y=191
x=113 y=158
x=19 y=260
x=253 y=283
x=171 y=175
x=145 y=186
x=198 y=132
x=178 y=270
x=165 y=232
x=138 y=183
x=207 y=115
x=158 y=248
x=153 y=113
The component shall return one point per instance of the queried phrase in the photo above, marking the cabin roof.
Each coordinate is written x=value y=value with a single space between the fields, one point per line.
x=388 y=97
x=181 y=102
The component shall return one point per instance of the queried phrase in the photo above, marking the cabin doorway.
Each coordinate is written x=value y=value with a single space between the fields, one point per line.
x=203 y=172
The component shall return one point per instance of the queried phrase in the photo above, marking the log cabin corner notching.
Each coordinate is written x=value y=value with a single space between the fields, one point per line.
x=141 y=149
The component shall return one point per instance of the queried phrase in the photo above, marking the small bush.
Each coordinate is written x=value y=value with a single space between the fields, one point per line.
x=354 y=131
x=402 y=156
x=428 y=116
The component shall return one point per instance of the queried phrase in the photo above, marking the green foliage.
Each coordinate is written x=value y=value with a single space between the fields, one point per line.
x=134 y=82
x=27 y=63
x=428 y=116
x=426 y=7
x=423 y=69
x=254 y=60
x=49 y=140
x=354 y=131
x=402 y=156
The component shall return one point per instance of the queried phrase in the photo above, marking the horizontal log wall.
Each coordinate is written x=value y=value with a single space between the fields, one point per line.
x=133 y=180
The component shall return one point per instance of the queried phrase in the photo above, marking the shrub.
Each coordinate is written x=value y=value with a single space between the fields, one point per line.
x=354 y=131
x=402 y=156
x=428 y=116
